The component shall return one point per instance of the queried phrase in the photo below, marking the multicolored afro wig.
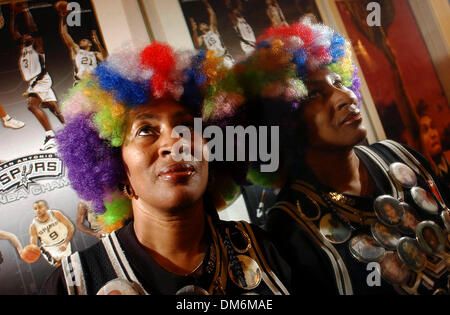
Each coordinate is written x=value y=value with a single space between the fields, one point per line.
x=96 y=112
x=272 y=80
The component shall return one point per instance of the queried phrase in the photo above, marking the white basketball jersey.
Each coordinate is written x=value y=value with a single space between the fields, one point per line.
x=85 y=62
x=245 y=30
x=29 y=63
x=52 y=232
x=213 y=42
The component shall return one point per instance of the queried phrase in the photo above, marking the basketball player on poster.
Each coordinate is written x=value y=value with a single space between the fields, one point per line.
x=13 y=239
x=53 y=231
x=8 y=121
x=28 y=254
x=243 y=29
x=32 y=66
x=86 y=213
x=84 y=59
x=210 y=36
x=275 y=13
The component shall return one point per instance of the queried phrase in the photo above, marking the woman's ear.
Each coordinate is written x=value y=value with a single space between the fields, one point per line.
x=128 y=191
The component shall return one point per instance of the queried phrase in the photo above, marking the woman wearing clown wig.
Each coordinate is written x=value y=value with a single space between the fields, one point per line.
x=331 y=217
x=165 y=234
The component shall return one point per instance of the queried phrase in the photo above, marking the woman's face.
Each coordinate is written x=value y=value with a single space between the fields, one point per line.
x=155 y=177
x=429 y=136
x=331 y=115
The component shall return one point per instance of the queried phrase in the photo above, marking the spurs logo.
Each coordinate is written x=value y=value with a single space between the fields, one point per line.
x=25 y=171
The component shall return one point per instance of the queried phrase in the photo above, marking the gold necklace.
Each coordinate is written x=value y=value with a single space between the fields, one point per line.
x=195 y=269
x=346 y=203
x=341 y=198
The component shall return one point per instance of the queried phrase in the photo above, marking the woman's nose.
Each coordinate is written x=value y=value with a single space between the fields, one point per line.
x=434 y=133
x=344 y=97
x=172 y=142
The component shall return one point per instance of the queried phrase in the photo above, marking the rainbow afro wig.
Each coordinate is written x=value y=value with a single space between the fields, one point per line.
x=96 y=112
x=285 y=55
x=272 y=79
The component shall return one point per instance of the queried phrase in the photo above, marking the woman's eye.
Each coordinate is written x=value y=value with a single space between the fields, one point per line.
x=146 y=131
x=338 y=83
x=313 y=94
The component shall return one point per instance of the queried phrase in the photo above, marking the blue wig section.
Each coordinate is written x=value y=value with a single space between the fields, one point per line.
x=263 y=44
x=299 y=58
x=337 y=47
x=128 y=92
x=193 y=95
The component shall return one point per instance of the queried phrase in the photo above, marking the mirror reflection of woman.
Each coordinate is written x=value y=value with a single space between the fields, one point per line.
x=165 y=234
x=307 y=84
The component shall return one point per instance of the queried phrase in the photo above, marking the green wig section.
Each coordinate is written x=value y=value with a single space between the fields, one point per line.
x=116 y=211
x=344 y=67
x=266 y=180
x=212 y=105
x=110 y=122
x=230 y=191
x=226 y=187
x=256 y=80
x=109 y=116
x=344 y=73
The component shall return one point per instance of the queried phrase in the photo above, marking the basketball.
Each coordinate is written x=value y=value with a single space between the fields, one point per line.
x=30 y=253
x=61 y=6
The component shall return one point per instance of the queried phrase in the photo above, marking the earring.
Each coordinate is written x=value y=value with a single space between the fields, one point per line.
x=130 y=195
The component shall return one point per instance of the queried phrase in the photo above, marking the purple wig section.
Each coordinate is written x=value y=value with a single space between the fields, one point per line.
x=356 y=84
x=94 y=167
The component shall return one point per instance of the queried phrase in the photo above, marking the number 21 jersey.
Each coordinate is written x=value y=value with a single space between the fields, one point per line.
x=85 y=62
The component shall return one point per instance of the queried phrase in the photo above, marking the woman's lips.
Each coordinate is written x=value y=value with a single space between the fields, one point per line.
x=352 y=117
x=176 y=172
x=436 y=145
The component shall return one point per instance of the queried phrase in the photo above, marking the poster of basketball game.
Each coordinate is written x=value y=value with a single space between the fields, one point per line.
x=230 y=27
x=46 y=46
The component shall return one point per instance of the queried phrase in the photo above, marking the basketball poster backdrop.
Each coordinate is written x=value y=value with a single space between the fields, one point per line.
x=46 y=46
x=230 y=27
